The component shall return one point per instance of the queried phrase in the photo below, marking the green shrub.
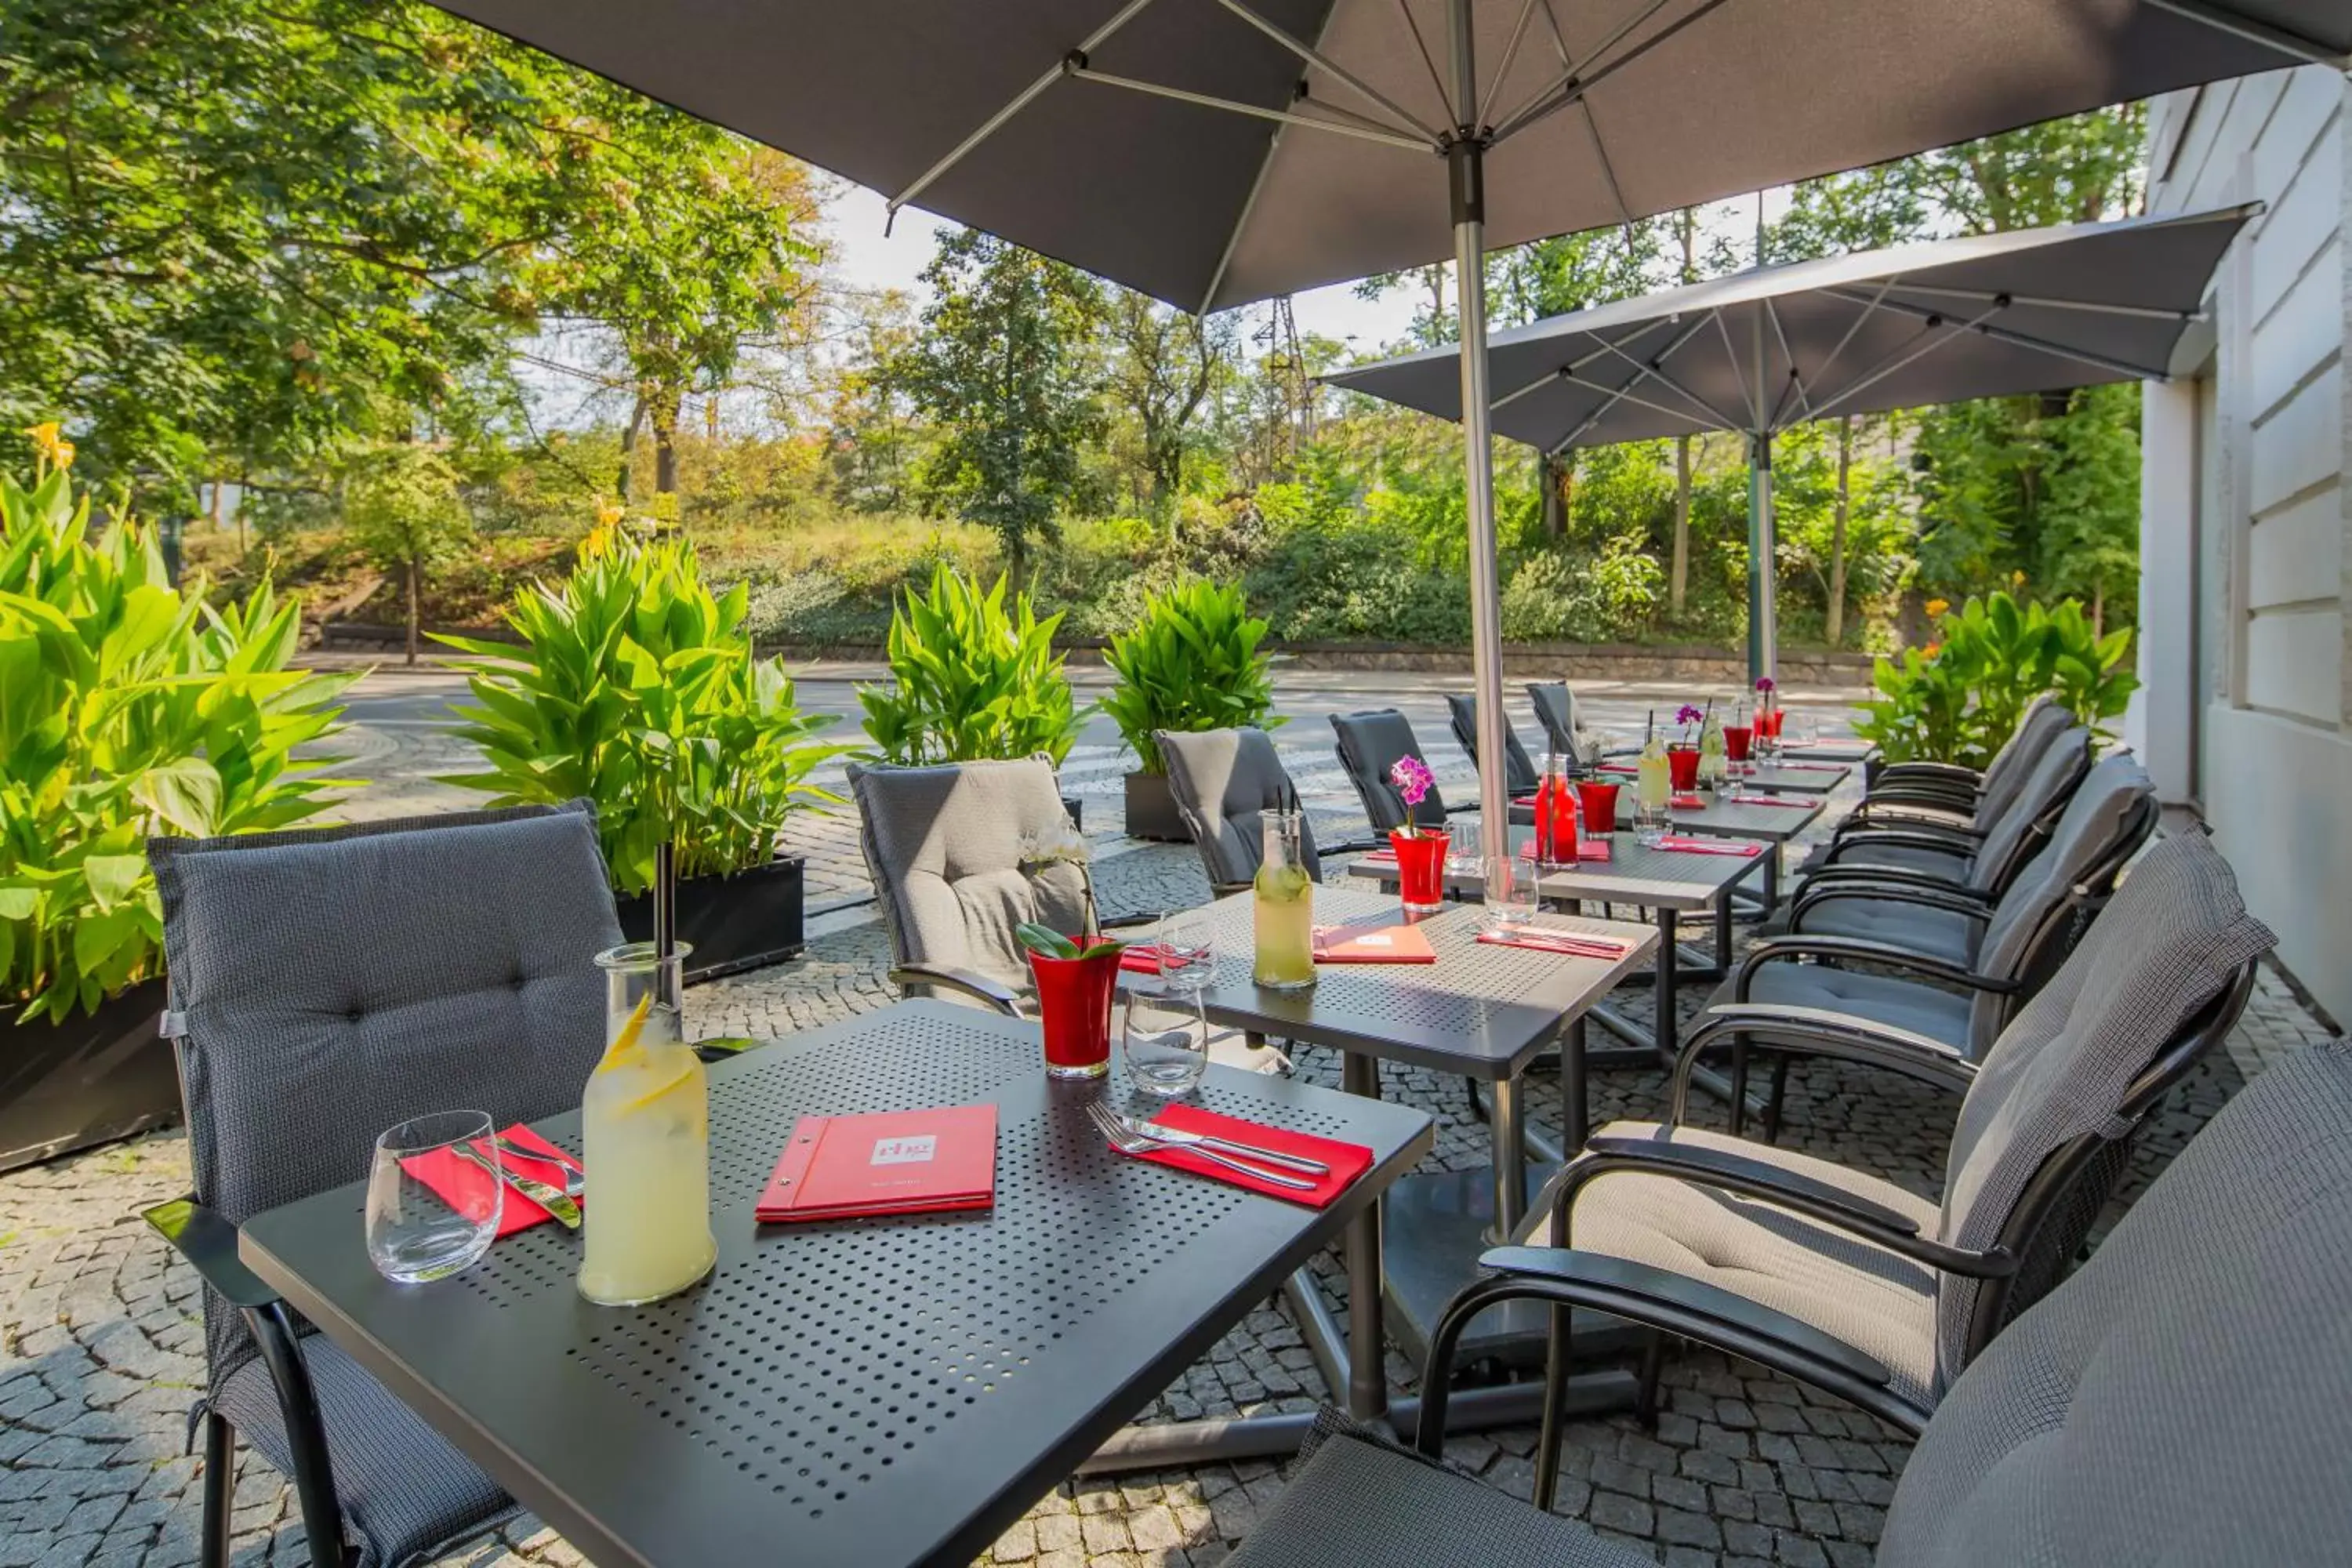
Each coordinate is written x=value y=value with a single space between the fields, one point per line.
x=127 y=708
x=1960 y=698
x=974 y=681
x=637 y=687
x=1608 y=597
x=1190 y=664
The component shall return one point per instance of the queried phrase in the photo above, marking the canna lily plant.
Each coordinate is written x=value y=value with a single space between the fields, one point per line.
x=127 y=708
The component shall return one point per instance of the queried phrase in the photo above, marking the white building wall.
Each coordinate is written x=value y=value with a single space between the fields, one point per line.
x=2245 y=514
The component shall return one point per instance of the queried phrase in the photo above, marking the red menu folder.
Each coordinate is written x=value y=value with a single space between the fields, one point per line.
x=896 y=1162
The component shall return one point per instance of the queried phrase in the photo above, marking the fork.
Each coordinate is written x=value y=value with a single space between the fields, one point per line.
x=1128 y=1142
x=575 y=1182
x=1144 y=1127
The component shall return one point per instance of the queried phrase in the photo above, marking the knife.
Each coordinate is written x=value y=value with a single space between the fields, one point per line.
x=551 y=1199
x=1250 y=1150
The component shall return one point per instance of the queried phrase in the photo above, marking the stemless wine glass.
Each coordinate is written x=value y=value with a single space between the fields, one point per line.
x=1462 y=854
x=1165 y=1038
x=1182 y=937
x=1510 y=892
x=413 y=1234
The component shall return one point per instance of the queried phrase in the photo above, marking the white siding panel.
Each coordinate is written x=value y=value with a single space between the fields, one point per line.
x=2297 y=554
x=2199 y=166
x=2294 y=663
x=2300 y=222
x=2313 y=96
x=2299 y=444
x=2299 y=332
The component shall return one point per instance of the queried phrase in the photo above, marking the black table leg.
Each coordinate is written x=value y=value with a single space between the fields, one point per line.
x=1368 y=1383
x=1663 y=994
x=1575 y=1101
x=1507 y=1132
x=1723 y=927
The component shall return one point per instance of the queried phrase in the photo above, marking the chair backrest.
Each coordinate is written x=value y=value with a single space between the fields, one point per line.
x=2043 y=720
x=1370 y=744
x=2158 y=978
x=1519 y=775
x=2024 y=825
x=1556 y=716
x=2187 y=1395
x=1224 y=782
x=951 y=849
x=2112 y=814
x=330 y=983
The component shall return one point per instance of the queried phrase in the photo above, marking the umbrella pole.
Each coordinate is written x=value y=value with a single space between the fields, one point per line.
x=1763 y=587
x=1466 y=160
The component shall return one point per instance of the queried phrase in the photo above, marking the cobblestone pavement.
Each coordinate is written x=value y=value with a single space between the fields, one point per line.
x=100 y=1350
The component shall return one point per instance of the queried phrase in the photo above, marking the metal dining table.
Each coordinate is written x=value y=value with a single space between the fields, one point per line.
x=1482 y=1011
x=1806 y=777
x=883 y=1392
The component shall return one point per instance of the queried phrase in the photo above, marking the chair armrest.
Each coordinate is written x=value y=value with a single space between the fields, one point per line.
x=1126 y=922
x=1890 y=893
x=1001 y=998
x=1895 y=877
x=1960 y=841
x=208 y=1241
x=1821 y=1032
x=1861 y=950
x=1900 y=806
x=1665 y=1157
x=1948 y=773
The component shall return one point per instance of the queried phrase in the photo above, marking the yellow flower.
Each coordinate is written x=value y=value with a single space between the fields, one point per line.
x=609 y=515
x=55 y=450
x=599 y=542
x=2017 y=579
x=1937 y=606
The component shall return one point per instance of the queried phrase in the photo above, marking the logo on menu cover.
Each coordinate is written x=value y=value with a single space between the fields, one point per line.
x=904 y=1150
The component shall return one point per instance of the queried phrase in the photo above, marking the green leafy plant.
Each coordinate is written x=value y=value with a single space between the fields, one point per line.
x=127 y=708
x=974 y=681
x=637 y=687
x=1958 y=700
x=1190 y=664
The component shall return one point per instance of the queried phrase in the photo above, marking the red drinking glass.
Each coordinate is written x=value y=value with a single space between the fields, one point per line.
x=1073 y=1005
x=1734 y=741
x=1599 y=804
x=1682 y=768
x=1420 y=868
x=1768 y=722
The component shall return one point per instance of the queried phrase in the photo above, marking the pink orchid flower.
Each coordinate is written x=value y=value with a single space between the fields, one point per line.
x=1412 y=779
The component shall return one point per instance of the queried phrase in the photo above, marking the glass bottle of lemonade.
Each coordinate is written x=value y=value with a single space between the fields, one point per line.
x=1285 y=908
x=644 y=1128
x=1653 y=785
x=1714 y=753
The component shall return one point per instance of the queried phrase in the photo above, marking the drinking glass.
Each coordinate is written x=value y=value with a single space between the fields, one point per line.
x=1461 y=855
x=1650 y=823
x=1182 y=939
x=1510 y=892
x=413 y=1234
x=1166 y=1039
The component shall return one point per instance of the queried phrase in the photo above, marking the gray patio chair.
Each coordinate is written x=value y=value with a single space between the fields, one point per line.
x=1519 y=775
x=1949 y=792
x=1556 y=716
x=1928 y=892
x=2181 y=1399
x=1370 y=744
x=327 y=984
x=1224 y=782
x=2025 y=935
x=948 y=849
x=1912 y=1289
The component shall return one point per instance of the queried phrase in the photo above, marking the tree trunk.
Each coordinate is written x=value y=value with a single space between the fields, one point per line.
x=416 y=572
x=663 y=413
x=1679 y=578
x=2099 y=608
x=1836 y=626
x=220 y=501
x=1555 y=502
x=629 y=446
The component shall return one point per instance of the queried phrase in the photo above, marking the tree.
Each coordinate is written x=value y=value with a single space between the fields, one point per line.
x=1002 y=369
x=1163 y=363
x=870 y=438
x=402 y=505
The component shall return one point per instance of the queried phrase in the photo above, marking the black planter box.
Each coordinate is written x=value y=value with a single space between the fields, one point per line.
x=93 y=1078
x=734 y=922
x=1151 y=810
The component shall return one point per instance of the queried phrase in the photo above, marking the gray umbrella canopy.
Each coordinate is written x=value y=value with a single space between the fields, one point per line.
x=2039 y=310
x=1210 y=153
x=1058 y=124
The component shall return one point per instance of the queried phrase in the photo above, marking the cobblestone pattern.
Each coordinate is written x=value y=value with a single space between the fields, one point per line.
x=100 y=1352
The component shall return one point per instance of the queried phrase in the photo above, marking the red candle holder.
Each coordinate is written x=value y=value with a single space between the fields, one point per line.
x=1420 y=868
x=1074 y=1007
x=1682 y=768
x=1599 y=804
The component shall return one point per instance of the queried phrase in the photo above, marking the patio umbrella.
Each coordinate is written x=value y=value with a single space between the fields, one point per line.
x=1212 y=152
x=1989 y=315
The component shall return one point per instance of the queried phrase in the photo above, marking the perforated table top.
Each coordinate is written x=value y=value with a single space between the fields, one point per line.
x=1480 y=1010
x=1675 y=879
x=876 y=1392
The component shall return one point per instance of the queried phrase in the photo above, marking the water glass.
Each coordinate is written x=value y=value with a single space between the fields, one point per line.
x=1165 y=1038
x=1462 y=856
x=1182 y=939
x=1650 y=823
x=1510 y=892
x=413 y=1234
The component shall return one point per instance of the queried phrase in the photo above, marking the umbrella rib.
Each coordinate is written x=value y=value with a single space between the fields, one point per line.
x=1918 y=348
x=1241 y=221
x=1853 y=326
x=1755 y=414
x=1604 y=351
x=1796 y=379
x=1435 y=79
x=1654 y=368
x=1625 y=394
x=2011 y=336
x=1511 y=49
x=2044 y=301
x=1313 y=56
x=1020 y=101
x=1235 y=106
x=1640 y=15
x=2238 y=25
x=1572 y=87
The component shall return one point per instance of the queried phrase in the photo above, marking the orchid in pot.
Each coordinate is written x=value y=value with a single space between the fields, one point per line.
x=1075 y=975
x=1419 y=849
x=1682 y=753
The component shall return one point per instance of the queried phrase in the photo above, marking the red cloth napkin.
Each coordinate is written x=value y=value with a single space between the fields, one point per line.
x=1586 y=849
x=1348 y=1161
x=1542 y=941
x=1688 y=845
x=1691 y=802
x=1768 y=800
x=468 y=1188
x=1150 y=958
x=1812 y=767
x=1382 y=857
x=1629 y=771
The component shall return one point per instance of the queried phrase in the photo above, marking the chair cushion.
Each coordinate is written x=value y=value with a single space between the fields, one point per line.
x=1951 y=864
x=1881 y=1304
x=1916 y=927
x=403 y=1487
x=1890 y=999
x=1370 y=744
x=1358 y=1505
x=1224 y=782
